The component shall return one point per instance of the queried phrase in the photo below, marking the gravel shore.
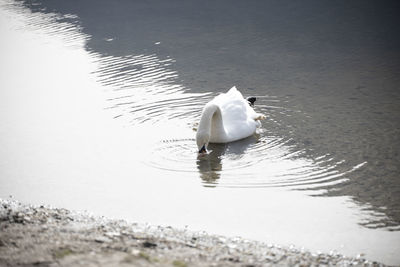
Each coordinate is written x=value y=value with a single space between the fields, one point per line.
x=44 y=236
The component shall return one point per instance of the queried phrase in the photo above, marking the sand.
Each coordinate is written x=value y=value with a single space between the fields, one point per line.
x=45 y=236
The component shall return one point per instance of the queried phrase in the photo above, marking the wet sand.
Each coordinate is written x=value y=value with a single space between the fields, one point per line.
x=44 y=236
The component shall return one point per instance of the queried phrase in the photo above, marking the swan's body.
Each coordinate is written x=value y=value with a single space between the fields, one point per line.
x=226 y=118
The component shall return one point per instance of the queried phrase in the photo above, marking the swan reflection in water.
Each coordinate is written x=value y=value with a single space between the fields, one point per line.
x=210 y=165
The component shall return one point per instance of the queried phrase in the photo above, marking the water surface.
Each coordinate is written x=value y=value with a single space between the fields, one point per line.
x=100 y=103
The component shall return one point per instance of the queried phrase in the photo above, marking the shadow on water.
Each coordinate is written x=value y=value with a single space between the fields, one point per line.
x=336 y=62
x=210 y=165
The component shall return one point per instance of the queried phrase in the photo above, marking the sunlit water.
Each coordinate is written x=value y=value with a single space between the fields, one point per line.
x=114 y=134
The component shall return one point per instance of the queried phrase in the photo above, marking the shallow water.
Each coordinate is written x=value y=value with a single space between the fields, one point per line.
x=100 y=102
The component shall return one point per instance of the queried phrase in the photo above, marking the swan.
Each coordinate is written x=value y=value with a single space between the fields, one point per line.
x=227 y=118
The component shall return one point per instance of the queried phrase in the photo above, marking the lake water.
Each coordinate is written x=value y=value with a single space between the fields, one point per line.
x=99 y=102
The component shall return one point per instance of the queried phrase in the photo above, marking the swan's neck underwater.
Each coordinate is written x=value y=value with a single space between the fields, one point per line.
x=211 y=124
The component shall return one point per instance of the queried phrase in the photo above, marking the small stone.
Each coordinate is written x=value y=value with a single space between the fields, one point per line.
x=112 y=234
x=148 y=244
x=102 y=239
x=135 y=252
x=232 y=246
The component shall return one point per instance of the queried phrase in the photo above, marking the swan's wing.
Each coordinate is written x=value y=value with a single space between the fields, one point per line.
x=238 y=119
x=237 y=115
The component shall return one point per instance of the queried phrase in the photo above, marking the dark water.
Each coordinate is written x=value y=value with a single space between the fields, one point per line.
x=325 y=73
x=333 y=68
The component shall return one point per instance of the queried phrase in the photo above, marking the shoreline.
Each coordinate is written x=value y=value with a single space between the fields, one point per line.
x=44 y=236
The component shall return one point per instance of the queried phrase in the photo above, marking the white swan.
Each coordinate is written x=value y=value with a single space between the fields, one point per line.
x=227 y=118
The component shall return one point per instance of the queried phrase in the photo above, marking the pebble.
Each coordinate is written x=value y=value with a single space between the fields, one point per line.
x=102 y=239
x=112 y=234
x=135 y=252
x=148 y=244
x=135 y=239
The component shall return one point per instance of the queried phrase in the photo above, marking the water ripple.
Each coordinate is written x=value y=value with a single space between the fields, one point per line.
x=64 y=26
x=257 y=161
x=144 y=89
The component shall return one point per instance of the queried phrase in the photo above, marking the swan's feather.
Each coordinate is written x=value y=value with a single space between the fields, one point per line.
x=238 y=117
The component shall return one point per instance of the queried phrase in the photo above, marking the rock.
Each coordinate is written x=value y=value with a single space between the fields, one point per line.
x=102 y=239
x=134 y=252
x=148 y=244
x=112 y=234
